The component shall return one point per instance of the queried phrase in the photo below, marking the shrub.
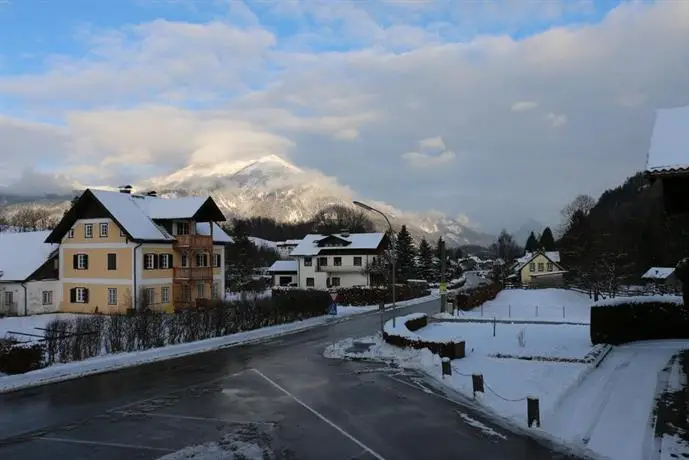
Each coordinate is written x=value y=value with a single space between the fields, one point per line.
x=637 y=320
x=472 y=298
x=452 y=350
x=359 y=296
x=18 y=358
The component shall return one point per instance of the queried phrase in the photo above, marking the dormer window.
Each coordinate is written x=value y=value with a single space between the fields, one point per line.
x=182 y=228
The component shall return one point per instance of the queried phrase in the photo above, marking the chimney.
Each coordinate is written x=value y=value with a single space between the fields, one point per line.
x=152 y=193
x=126 y=189
x=344 y=232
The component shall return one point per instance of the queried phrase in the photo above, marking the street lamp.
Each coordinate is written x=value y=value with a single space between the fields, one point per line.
x=392 y=233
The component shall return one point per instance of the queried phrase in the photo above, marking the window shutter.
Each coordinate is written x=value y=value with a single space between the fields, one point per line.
x=73 y=295
x=86 y=295
x=75 y=261
x=86 y=261
x=169 y=260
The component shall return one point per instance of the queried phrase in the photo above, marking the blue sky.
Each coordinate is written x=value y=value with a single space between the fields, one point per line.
x=465 y=100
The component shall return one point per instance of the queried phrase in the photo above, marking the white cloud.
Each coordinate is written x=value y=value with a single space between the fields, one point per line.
x=163 y=93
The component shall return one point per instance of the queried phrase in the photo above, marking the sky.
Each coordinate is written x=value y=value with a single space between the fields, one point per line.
x=496 y=111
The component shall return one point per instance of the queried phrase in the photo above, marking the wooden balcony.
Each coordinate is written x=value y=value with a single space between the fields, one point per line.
x=192 y=274
x=201 y=242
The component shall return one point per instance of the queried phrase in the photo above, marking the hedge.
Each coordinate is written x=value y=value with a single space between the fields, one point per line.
x=452 y=350
x=472 y=298
x=359 y=296
x=84 y=337
x=628 y=322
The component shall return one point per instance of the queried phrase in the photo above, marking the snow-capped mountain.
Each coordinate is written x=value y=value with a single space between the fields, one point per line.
x=271 y=186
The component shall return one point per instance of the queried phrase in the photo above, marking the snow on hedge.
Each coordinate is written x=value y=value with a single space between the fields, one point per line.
x=400 y=327
x=617 y=301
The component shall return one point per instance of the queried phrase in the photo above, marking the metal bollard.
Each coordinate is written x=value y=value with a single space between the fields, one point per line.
x=446 y=366
x=477 y=383
x=533 y=412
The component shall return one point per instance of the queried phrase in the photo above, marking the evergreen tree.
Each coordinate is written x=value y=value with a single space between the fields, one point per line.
x=426 y=264
x=531 y=243
x=547 y=241
x=405 y=254
x=241 y=255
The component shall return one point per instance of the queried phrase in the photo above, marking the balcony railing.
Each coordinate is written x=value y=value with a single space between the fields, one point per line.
x=193 y=242
x=339 y=268
x=193 y=273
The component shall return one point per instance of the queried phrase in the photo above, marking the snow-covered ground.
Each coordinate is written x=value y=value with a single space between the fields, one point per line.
x=247 y=296
x=28 y=324
x=106 y=363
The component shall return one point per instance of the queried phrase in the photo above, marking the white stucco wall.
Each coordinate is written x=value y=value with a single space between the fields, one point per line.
x=34 y=293
x=349 y=274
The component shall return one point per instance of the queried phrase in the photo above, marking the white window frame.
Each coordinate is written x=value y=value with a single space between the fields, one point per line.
x=217 y=260
x=164 y=263
x=541 y=267
x=200 y=290
x=203 y=258
x=70 y=233
x=532 y=267
x=550 y=266
x=165 y=294
x=47 y=298
x=150 y=257
x=81 y=261
x=185 y=261
x=149 y=296
x=80 y=295
x=112 y=296
x=8 y=297
x=88 y=230
x=103 y=230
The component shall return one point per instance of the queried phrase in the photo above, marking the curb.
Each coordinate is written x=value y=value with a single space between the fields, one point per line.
x=57 y=375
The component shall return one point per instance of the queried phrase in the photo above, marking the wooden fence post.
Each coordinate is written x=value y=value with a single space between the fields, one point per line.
x=533 y=412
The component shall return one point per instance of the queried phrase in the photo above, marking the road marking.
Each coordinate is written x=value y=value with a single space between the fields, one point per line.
x=194 y=418
x=105 y=444
x=319 y=415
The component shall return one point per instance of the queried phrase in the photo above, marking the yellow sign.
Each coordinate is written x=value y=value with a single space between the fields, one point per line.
x=443 y=288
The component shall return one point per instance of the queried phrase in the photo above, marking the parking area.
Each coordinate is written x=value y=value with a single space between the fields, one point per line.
x=247 y=410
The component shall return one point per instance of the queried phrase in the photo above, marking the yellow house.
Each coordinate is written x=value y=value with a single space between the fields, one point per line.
x=121 y=251
x=540 y=268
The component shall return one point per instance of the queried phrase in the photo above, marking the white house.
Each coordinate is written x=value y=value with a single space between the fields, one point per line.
x=29 y=274
x=337 y=260
x=285 y=248
x=285 y=273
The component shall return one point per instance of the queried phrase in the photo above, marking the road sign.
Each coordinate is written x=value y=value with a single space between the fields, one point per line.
x=333 y=309
x=333 y=295
x=443 y=288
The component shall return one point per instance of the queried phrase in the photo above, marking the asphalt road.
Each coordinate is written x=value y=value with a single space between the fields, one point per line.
x=303 y=405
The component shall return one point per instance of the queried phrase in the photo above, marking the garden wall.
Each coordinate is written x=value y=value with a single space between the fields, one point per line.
x=472 y=298
x=402 y=335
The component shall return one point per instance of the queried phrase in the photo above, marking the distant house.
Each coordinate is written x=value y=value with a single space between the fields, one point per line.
x=540 y=268
x=662 y=278
x=284 y=248
x=337 y=260
x=29 y=272
x=285 y=273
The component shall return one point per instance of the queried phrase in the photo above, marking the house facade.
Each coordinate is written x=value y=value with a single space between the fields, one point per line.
x=662 y=279
x=29 y=274
x=540 y=268
x=285 y=273
x=337 y=260
x=121 y=251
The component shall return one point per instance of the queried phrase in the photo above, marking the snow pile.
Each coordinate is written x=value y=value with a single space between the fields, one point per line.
x=28 y=324
x=249 y=443
x=669 y=299
x=247 y=296
x=400 y=326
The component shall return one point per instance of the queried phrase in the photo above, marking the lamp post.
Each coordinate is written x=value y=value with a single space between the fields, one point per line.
x=392 y=233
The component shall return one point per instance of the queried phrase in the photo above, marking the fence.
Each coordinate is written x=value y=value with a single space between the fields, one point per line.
x=544 y=312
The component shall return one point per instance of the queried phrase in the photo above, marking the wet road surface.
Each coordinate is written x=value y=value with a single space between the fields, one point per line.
x=305 y=406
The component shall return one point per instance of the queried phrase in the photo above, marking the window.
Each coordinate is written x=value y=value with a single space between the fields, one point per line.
x=540 y=266
x=149 y=296
x=337 y=261
x=186 y=293
x=323 y=261
x=47 y=297
x=200 y=291
x=165 y=261
x=103 y=230
x=335 y=281
x=182 y=228
x=88 y=230
x=216 y=260
x=185 y=260
x=79 y=295
x=80 y=261
x=310 y=282
x=308 y=261
x=214 y=290
x=112 y=261
x=112 y=296
x=284 y=280
x=70 y=233
x=9 y=298
x=122 y=234
x=532 y=267
x=165 y=294
x=357 y=261
x=550 y=266
x=202 y=260
x=150 y=261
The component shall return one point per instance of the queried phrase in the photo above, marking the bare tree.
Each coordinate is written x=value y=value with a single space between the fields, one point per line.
x=336 y=218
x=583 y=203
x=29 y=218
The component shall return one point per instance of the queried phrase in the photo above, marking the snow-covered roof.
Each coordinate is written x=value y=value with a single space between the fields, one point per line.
x=288 y=243
x=670 y=141
x=22 y=253
x=526 y=258
x=358 y=241
x=284 y=266
x=658 y=273
x=169 y=208
x=260 y=242
x=219 y=235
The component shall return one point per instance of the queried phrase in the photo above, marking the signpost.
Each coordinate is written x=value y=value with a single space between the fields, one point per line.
x=443 y=285
x=333 y=306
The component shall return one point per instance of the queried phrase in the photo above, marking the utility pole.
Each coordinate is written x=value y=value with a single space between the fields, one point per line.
x=443 y=285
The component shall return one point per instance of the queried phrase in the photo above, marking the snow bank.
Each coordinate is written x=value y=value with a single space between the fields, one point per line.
x=28 y=324
x=400 y=326
x=671 y=299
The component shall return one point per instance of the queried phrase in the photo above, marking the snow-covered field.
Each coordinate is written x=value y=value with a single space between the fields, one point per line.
x=106 y=363
x=28 y=324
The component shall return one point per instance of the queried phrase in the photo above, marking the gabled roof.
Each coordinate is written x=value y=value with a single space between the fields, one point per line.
x=669 y=151
x=283 y=266
x=553 y=256
x=219 y=235
x=357 y=241
x=135 y=214
x=22 y=253
x=658 y=273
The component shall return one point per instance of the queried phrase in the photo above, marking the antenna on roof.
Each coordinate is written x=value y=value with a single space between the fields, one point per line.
x=126 y=189
x=152 y=193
